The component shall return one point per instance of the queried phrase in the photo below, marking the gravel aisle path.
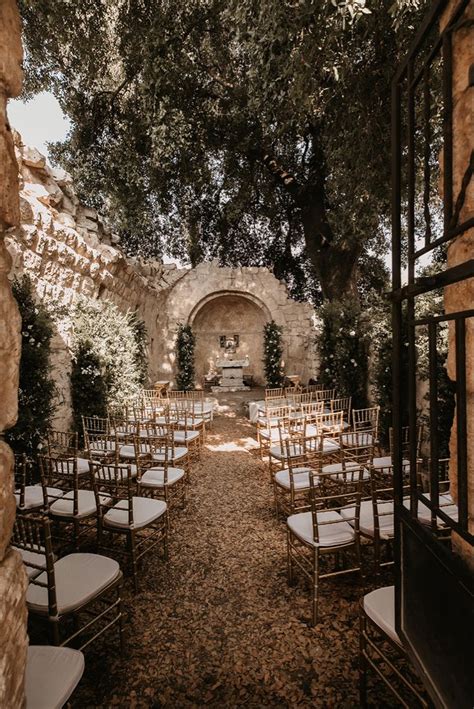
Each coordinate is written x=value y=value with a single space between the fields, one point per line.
x=218 y=626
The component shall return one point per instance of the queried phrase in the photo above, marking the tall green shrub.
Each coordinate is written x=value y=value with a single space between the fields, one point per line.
x=141 y=339
x=343 y=350
x=272 y=354
x=88 y=385
x=111 y=337
x=36 y=389
x=185 y=344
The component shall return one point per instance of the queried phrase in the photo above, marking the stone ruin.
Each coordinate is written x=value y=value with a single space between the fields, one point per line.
x=68 y=249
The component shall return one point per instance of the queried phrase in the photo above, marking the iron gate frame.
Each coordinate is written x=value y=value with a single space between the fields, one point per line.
x=421 y=558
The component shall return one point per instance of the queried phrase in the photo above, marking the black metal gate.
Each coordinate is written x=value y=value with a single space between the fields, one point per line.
x=434 y=587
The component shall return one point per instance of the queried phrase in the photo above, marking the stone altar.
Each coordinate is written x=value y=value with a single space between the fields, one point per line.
x=232 y=374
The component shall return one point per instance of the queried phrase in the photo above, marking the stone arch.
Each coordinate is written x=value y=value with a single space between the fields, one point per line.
x=228 y=313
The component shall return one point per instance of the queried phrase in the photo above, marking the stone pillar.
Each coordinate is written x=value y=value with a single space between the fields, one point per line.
x=13 y=637
x=460 y=296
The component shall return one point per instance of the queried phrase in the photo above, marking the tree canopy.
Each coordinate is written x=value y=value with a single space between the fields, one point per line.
x=254 y=131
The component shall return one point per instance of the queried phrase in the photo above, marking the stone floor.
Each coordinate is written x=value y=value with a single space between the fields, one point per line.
x=218 y=625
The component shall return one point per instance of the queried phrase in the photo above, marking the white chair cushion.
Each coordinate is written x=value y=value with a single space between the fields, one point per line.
x=185 y=436
x=385 y=462
x=100 y=447
x=32 y=557
x=338 y=470
x=122 y=472
x=424 y=513
x=145 y=511
x=179 y=452
x=86 y=504
x=51 y=676
x=272 y=434
x=300 y=478
x=385 y=517
x=358 y=438
x=329 y=444
x=190 y=422
x=154 y=477
x=279 y=453
x=34 y=496
x=83 y=466
x=127 y=452
x=333 y=531
x=79 y=578
x=379 y=605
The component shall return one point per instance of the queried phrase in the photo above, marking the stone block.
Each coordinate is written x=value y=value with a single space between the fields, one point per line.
x=14 y=639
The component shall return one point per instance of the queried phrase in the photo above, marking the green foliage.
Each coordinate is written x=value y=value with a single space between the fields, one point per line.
x=185 y=344
x=111 y=336
x=272 y=354
x=88 y=385
x=174 y=107
x=36 y=391
x=141 y=357
x=343 y=350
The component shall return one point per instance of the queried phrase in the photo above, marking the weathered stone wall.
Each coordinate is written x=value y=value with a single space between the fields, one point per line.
x=13 y=638
x=68 y=250
x=461 y=295
x=225 y=292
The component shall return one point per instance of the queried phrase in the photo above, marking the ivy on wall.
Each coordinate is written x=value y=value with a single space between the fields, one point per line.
x=272 y=354
x=185 y=345
x=36 y=388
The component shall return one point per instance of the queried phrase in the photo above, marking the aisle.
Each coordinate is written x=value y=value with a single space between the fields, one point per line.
x=219 y=626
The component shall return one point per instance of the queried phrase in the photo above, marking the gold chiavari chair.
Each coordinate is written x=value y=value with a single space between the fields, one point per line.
x=289 y=428
x=447 y=505
x=366 y=419
x=357 y=457
x=65 y=444
x=95 y=425
x=343 y=404
x=268 y=425
x=73 y=509
x=142 y=521
x=101 y=446
x=291 y=484
x=29 y=495
x=274 y=393
x=322 y=535
x=324 y=395
x=311 y=410
x=330 y=423
x=381 y=650
x=188 y=427
x=77 y=586
x=311 y=388
x=166 y=447
x=161 y=481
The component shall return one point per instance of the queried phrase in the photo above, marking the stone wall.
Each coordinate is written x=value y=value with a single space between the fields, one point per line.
x=13 y=637
x=242 y=299
x=67 y=250
x=461 y=295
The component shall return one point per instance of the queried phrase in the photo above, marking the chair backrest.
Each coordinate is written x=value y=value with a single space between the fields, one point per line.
x=62 y=443
x=342 y=404
x=311 y=409
x=363 y=419
x=161 y=438
x=32 y=534
x=23 y=472
x=59 y=474
x=176 y=394
x=101 y=445
x=354 y=449
x=405 y=435
x=195 y=395
x=324 y=394
x=115 y=481
x=330 y=422
x=277 y=392
x=95 y=424
x=124 y=428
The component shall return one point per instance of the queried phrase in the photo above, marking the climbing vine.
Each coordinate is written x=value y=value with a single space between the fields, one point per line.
x=185 y=344
x=273 y=351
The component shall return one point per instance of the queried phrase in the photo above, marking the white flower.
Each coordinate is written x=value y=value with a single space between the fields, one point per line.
x=352 y=333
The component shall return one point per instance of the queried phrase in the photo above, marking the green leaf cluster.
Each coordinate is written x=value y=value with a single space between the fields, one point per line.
x=36 y=392
x=272 y=354
x=185 y=345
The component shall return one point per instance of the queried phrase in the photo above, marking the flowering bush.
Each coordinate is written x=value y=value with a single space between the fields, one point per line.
x=36 y=388
x=272 y=354
x=111 y=336
x=185 y=343
x=343 y=350
x=88 y=385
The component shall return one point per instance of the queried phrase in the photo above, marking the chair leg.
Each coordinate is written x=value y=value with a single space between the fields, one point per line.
x=289 y=560
x=166 y=551
x=362 y=662
x=120 y=624
x=55 y=635
x=133 y=558
x=314 y=615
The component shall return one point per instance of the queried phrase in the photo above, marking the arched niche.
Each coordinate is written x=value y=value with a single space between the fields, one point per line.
x=229 y=313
